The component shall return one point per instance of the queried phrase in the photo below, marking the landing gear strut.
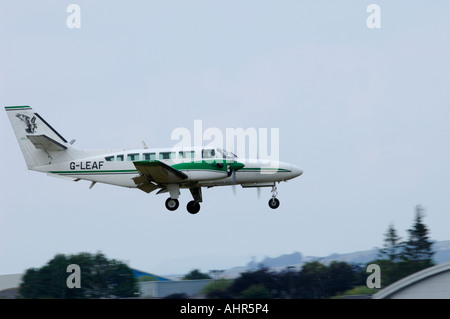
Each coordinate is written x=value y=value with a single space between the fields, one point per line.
x=274 y=202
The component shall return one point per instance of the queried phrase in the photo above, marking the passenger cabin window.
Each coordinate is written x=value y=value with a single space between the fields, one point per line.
x=149 y=156
x=166 y=155
x=133 y=157
x=119 y=158
x=186 y=154
x=208 y=153
x=109 y=158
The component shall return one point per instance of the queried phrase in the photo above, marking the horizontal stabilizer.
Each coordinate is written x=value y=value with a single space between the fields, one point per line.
x=43 y=142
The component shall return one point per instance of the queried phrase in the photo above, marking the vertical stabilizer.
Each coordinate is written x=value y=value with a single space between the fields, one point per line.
x=37 y=139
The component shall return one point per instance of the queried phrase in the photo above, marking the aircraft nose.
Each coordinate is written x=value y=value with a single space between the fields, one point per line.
x=296 y=171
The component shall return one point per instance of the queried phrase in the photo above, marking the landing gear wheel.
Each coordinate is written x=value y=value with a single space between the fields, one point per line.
x=274 y=203
x=193 y=207
x=172 y=204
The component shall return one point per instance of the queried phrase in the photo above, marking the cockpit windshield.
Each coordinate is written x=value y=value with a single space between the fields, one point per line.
x=225 y=154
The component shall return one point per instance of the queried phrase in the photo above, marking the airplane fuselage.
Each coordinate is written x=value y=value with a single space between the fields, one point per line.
x=117 y=168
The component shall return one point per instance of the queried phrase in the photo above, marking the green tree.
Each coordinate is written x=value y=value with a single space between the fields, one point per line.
x=100 y=278
x=418 y=248
x=259 y=277
x=218 y=289
x=313 y=280
x=392 y=250
x=289 y=283
x=400 y=259
x=195 y=275
x=256 y=292
x=340 y=278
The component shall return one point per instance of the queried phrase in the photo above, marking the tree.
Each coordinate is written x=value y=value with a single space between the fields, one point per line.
x=392 y=246
x=100 y=278
x=289 y=283
x=218 y=289
x=313 y=279
x=256 y=292
x=418 y=247
x=262 y=277
x=341 y=277
x=400 y=259
x=195 y=275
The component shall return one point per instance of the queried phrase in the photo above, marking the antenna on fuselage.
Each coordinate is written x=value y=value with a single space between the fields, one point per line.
x=145 y=145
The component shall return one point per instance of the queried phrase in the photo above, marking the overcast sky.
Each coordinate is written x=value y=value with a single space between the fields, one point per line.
x=364 y=112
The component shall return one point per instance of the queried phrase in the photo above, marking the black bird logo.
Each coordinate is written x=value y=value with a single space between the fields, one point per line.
x=31 y=123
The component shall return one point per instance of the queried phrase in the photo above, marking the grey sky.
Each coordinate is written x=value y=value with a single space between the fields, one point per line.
x=363 y=111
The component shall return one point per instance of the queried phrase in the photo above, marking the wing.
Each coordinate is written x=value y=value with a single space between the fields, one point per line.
x=154 y=173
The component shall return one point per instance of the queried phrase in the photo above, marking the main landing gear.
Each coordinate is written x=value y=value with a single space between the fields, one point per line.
x=274 y=202
x=193 y=207
x=172 y=204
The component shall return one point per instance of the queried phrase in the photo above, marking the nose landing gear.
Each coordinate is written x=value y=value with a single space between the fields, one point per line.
x=274 y=202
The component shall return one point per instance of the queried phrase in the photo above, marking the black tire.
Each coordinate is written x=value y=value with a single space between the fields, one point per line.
x=172 y=204
x=193 y=207
x=274 y=203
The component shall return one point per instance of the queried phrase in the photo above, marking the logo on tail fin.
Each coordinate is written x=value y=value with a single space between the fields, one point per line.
x=31 y=123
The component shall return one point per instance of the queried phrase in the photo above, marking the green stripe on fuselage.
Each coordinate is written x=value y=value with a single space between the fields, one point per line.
x=213 y=164
x=134 y=171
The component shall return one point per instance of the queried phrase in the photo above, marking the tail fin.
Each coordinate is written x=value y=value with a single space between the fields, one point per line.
x=37 y=139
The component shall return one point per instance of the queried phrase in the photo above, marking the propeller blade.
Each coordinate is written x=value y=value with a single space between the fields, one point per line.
x=233 y=176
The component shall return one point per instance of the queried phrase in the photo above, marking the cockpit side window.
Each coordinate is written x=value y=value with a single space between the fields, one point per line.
x=208 y=153
x=109 y=158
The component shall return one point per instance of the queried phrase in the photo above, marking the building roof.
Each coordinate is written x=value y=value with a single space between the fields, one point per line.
x=411 y=280
x=138 y=274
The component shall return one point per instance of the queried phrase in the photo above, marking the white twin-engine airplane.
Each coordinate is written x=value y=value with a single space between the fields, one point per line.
x=45 y=150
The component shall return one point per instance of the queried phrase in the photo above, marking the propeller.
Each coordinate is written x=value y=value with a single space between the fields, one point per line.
x=233 y=178
x=231 y=171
